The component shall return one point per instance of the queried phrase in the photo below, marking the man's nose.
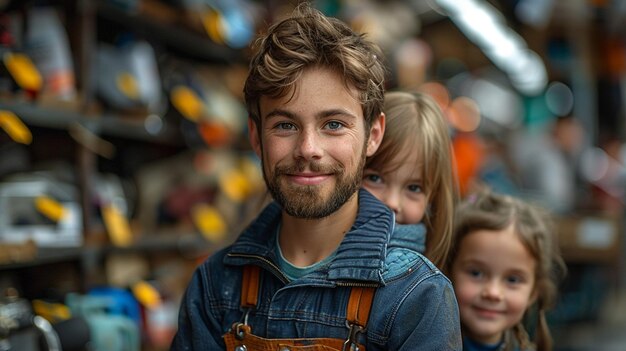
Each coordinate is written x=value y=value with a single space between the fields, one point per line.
x=309 y=145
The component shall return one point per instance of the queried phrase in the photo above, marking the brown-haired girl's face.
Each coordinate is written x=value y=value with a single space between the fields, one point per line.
x=494 y=277
x=401 y=188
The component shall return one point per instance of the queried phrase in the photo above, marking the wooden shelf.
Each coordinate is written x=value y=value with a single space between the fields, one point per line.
x=47 y=256
x=185 y=243
x=105 y=124
x=180 y=40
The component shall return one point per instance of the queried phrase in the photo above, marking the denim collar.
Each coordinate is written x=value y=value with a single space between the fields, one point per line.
x=360 y=256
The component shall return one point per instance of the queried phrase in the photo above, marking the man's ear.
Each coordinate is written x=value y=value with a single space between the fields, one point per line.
x=253 y=135
x=377 y=131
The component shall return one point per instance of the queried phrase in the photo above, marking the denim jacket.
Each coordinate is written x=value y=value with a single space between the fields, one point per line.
x=408 y=236
x=414 y=307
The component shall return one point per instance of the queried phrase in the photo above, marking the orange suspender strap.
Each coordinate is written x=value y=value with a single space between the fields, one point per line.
x=357 y=314
x=359 y=305
x=250 y=286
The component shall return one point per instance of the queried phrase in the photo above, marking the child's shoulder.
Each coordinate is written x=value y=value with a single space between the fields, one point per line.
x=405 y=252
x=408 y=236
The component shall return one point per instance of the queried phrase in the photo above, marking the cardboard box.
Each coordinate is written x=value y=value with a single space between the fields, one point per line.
x=590 y=239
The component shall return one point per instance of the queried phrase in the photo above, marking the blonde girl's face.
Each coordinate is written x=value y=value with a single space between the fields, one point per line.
x=493 y=277
x=401 y=189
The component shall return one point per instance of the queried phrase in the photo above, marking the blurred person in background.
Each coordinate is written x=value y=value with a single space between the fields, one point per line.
x=547 y=163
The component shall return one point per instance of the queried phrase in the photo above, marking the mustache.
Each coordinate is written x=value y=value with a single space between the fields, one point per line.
x=300 y=167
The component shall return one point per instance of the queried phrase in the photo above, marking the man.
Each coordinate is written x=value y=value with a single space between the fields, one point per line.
x=314 y=95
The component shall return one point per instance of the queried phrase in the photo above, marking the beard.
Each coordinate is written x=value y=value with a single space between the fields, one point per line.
x=308 y=201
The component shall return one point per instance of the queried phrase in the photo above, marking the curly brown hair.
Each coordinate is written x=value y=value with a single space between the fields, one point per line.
x=308 y=39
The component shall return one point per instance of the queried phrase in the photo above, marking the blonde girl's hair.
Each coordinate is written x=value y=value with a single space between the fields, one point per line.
x=414 y=123
x=486 y=210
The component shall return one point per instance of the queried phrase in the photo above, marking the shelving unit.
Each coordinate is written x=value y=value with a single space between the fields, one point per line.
x=56 y=271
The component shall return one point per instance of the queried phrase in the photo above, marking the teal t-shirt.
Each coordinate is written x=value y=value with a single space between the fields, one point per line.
x=295 y=272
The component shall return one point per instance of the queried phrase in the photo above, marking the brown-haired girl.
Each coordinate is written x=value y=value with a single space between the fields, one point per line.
x=504 y=260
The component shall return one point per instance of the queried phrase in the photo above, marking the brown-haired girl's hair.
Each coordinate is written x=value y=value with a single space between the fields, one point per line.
x=485 y=210
x=414 y=123
x=309 y=39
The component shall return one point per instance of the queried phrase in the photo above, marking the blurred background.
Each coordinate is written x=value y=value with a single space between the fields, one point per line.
x=124 y=159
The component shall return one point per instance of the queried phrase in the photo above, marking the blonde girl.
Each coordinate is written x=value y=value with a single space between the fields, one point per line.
x=412 y=172
x=504 y=260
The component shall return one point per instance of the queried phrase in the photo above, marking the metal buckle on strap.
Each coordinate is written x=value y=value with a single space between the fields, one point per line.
x=351 y=342
x=240 y=328
x=240 y=331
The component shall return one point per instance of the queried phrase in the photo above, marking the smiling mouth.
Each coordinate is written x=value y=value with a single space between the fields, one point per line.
x=308 y=173
x=487 y=312
x=308 y=178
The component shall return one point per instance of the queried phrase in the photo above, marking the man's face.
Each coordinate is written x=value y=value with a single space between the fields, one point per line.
x=313 y=144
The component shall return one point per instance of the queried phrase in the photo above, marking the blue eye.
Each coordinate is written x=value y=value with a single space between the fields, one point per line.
x=374 y=178
x=285 y=126
x=514 y=279
x=334 y=125
x=474 y=273
x=415 y=188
